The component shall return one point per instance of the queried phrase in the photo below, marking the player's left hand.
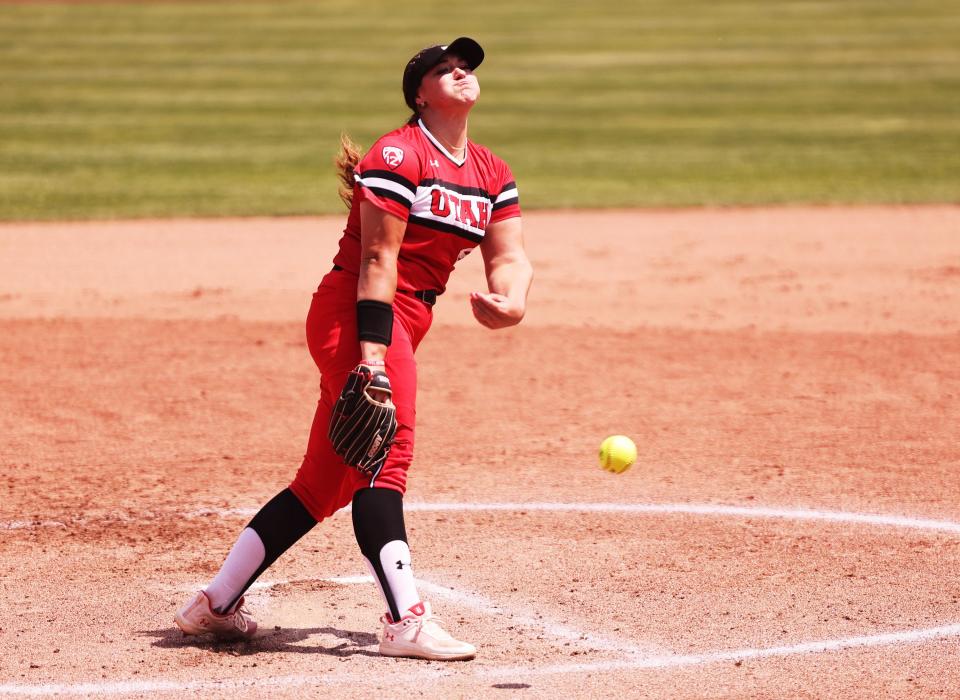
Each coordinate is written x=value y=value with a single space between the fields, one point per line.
x=495 y=310
x=363 y=422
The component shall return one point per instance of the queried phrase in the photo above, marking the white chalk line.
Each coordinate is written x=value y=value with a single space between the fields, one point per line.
x=569 y=635
x=560 y=632
x=704 y=509
x=515 y=672
x=31 y=524
x=698 y=509
x=677 y=661
x=648 y=663
x=474 y=601
x=382 y=676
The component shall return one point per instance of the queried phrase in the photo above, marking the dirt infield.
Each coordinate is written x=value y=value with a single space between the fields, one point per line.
x=791 y=377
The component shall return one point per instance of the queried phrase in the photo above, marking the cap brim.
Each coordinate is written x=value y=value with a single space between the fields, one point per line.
x=467 y=49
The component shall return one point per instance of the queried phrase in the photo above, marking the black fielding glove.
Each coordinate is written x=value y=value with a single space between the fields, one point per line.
x=364 y=420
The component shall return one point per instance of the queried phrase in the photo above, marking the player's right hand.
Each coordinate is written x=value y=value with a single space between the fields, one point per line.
x=495 y=310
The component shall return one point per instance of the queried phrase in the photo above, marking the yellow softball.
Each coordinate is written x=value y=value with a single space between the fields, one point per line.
x=617 y=453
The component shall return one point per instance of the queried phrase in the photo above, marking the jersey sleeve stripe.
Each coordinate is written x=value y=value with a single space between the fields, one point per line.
x=509 y=191
x=399 y=198
x=388 y=175
x=381 y=186
x=501 y=203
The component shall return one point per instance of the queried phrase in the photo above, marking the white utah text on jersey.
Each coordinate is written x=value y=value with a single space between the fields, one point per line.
x=469 y=212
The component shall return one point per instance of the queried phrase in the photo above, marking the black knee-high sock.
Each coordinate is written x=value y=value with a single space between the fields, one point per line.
x=378 y=525
x=279 y=524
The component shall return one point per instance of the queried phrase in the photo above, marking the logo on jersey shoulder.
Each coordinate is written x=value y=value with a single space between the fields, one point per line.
x=392 y=156
x=435 y=163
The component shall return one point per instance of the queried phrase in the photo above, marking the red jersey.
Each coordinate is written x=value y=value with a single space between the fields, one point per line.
x=446 y=203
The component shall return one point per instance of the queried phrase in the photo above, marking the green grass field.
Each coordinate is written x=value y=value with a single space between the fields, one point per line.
x=205 y=108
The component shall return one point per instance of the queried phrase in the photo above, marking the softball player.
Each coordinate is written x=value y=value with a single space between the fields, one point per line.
x=422 y=198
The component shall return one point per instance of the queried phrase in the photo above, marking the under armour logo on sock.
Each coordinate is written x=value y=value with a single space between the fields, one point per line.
x=401 y=564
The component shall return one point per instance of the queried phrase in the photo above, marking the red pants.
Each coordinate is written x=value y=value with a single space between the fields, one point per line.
x=324 y=484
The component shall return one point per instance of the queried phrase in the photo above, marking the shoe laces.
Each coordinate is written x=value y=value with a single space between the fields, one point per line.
x=435 y=627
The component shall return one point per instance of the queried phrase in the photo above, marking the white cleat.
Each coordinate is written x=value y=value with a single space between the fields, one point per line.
x=196 y=617
x=418 y=635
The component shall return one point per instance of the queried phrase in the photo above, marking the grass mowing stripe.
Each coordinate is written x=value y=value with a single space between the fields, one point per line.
x=206 y=108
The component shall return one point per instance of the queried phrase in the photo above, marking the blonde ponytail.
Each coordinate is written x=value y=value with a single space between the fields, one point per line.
x=346 y=162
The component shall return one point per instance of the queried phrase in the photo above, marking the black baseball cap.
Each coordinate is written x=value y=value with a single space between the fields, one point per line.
x=464 y=47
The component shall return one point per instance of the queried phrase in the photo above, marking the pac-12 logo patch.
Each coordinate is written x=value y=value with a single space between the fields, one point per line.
x=392 y=156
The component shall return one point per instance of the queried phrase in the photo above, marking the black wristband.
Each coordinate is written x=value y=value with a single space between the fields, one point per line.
x=375 y=321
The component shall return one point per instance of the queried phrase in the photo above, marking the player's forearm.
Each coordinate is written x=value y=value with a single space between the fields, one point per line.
x=377 y=283
x=381 y=235
x=378 y=277
x=512 y=279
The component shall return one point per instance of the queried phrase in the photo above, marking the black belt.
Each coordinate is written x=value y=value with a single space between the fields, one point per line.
x=427 y=296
